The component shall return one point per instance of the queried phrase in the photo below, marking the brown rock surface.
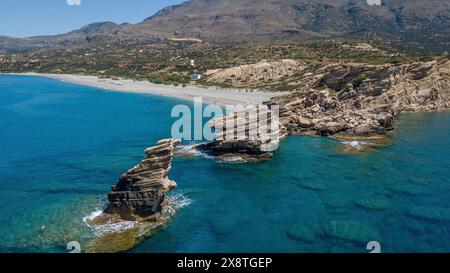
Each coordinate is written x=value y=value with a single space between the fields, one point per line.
x=141 y=192
x=138 y=205
x=363 y=100
x=349 y=101
x=251 y=134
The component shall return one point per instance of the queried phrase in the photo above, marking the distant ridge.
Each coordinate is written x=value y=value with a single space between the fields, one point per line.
x=416 y=24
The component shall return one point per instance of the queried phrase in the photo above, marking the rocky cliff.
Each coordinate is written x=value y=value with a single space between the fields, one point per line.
x=248 y=134
x=141 y=192
x=348 y=101
x=360 y=100
x=138 y=204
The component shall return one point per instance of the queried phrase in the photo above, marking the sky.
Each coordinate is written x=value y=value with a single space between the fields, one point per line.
x=24 y=18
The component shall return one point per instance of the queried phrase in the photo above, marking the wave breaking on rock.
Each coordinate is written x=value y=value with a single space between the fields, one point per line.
x=138 y=204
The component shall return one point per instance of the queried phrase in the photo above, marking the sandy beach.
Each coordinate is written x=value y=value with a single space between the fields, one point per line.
x=211 y=95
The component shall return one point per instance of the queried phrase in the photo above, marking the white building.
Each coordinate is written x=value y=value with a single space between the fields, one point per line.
x=196 y=77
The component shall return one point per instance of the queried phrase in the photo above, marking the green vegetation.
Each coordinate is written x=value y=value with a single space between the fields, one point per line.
x=169 y=63
x=287 y=87
x=319 y=84
x=168 y=78
x=358 y=81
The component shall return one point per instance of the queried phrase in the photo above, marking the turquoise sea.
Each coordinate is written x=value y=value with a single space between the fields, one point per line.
x=62 y=146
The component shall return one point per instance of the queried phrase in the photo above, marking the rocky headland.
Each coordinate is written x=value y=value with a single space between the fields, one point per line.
x=138 y=203
x=350 y=101
x=360 y=100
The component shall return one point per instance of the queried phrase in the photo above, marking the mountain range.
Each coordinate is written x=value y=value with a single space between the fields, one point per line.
x=414 y=24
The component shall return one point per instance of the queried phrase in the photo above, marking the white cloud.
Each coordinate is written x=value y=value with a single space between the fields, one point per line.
x=74 y=2
x=374 y=2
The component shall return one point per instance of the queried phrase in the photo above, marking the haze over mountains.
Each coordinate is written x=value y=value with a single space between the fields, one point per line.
x=421 y=25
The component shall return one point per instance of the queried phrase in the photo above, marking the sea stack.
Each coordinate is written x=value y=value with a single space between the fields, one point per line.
x=141 y=192
x=250 y=134
x=138 y=203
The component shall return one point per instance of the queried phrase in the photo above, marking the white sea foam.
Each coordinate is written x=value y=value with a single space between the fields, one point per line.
x=187 y=150
x=231 y=159
x=107 y=228
x=352 y=143
x=180 y=201
x=177 y=202
x=110 y=227
x=190 y=150
x=92 y=216
x=356 y=144
x=114 y=227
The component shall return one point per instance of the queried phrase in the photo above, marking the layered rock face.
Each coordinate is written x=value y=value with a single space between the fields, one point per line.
x=138 y=204
x=343 y=100
x=250 y=75
x=248 y=134
x=360 y=100
x=141 y=192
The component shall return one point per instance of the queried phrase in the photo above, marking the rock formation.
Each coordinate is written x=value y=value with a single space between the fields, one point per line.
x=348 y=101
x=141 y=192
x=250 y=75
x=360 y=100
x=138 y=205
x=249 y=134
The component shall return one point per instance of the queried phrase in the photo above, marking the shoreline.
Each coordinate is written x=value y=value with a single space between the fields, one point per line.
x=213 y=95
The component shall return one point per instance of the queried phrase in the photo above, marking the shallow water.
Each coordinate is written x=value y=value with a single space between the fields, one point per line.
x=63 y=145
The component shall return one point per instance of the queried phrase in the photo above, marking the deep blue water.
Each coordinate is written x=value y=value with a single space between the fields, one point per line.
x=63 y=145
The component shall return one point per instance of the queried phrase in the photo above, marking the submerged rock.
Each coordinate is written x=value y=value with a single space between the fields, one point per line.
x=430 y=213
x=335 y=200
x=374 y=204
x=351 y=231
x=301 y=233
x=360 y=145
x=311 y=185
x=408 y=189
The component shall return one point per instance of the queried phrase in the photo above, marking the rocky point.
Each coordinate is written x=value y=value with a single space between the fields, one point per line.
x=360 y=100
x=353 y=101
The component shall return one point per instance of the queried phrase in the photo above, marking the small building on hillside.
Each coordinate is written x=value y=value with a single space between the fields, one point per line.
x=196 y=77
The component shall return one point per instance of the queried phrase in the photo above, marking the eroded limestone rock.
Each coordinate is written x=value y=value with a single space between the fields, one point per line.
x=346 y=101
x=138 y=203
x=141 y=192
x=361 y=100
x=250 y=134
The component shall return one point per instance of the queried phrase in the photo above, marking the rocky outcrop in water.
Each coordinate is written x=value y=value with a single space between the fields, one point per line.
x=361 y=100
x=138 y=203
x=347 y=101
x=141 y=192
x=250 y=134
